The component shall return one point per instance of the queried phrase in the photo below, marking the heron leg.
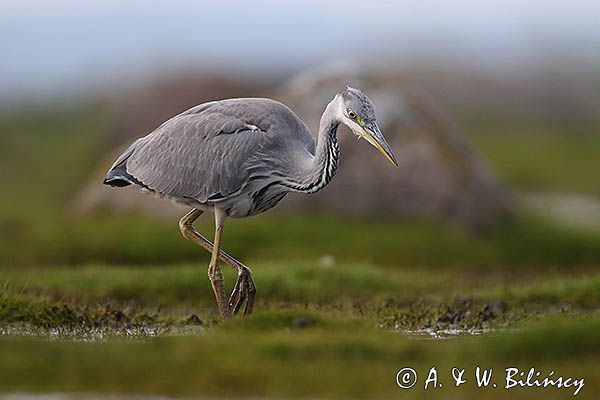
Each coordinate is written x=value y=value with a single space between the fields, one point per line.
x=244 y=287
x=215 y=275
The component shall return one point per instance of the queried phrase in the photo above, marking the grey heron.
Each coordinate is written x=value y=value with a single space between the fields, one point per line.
x=238 y=158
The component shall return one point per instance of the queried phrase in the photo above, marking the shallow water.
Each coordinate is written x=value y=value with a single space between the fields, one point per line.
x=149 y=331
x=441 y=334
x=100 y=333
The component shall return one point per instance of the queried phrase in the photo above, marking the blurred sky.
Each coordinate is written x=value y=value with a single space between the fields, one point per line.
x=59 y=47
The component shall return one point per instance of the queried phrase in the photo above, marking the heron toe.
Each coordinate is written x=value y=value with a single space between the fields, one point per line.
x=244 y=290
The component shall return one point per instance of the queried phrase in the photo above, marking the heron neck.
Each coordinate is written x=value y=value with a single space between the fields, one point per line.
x=328 y=152
x=323 y=165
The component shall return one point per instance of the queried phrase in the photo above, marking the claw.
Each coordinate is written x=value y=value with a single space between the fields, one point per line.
x=239 y=303
x=243 y=290
x=235 y=293
x=251 y=291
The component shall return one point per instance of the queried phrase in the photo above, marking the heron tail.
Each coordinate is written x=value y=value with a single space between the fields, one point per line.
x=118 y=176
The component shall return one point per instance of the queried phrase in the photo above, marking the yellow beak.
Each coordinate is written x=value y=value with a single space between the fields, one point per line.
x=374 y=136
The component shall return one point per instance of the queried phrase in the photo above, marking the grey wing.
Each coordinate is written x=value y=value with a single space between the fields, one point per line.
x=204 y=155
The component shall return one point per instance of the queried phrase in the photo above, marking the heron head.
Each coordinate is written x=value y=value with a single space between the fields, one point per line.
x=358 y=114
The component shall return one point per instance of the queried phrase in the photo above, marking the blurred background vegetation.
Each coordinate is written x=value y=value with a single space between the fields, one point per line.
x=492 y=220
x=50 y=154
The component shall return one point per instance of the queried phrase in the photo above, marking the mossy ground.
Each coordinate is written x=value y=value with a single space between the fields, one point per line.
x=295 y=352
x=393 y=299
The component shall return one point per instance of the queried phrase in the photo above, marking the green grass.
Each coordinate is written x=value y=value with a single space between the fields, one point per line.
x=45 y=155
x=317 y=331
x=393 y=298
x=529 y=241
x=534 y=159
x=332 y=358
x=332 y=332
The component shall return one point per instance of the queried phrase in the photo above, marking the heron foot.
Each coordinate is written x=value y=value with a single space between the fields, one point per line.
x=215 y=275
x=244 y=290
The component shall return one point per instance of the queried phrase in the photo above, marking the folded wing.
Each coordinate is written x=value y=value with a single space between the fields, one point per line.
x=205 y=154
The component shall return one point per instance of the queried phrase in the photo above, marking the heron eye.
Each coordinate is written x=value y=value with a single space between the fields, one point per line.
x=351 y=114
